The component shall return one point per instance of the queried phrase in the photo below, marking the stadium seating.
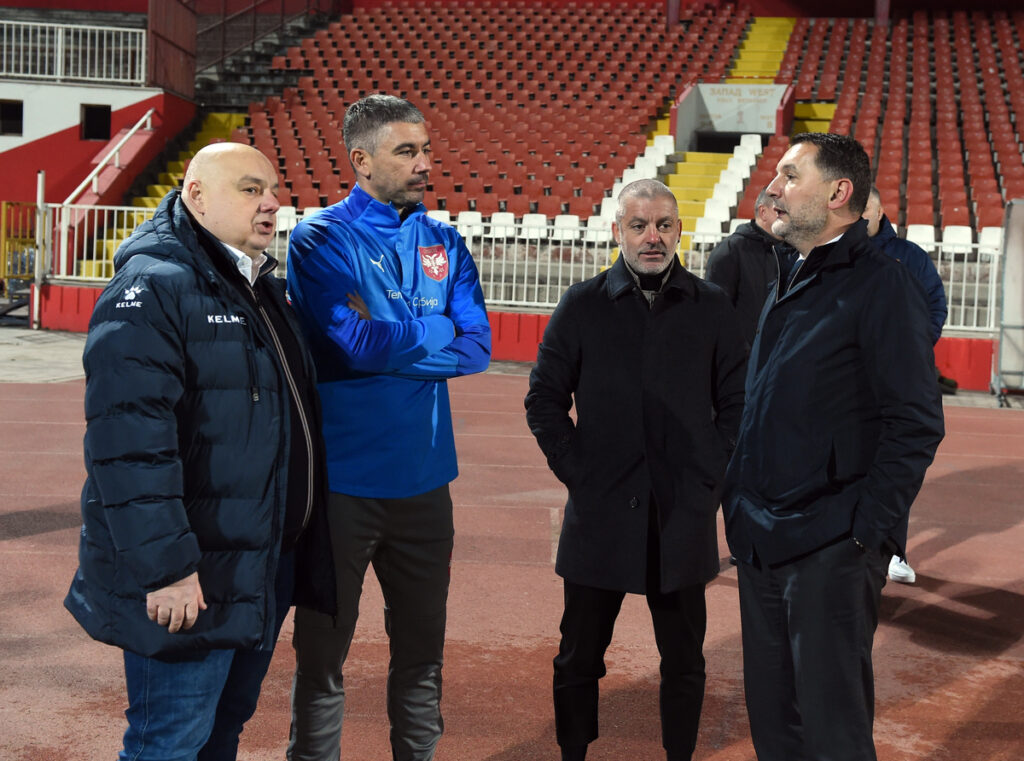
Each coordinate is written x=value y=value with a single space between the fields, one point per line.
x=509 y=102
x=527 y=121
x=926 y=59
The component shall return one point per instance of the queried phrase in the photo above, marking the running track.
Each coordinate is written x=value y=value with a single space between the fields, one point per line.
x=949 y=659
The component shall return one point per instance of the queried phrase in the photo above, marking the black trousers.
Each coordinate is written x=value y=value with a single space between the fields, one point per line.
x=409 y=543
x=808 y=629
x=680 y=620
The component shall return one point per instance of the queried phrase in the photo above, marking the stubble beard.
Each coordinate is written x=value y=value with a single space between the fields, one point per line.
x=800 y=231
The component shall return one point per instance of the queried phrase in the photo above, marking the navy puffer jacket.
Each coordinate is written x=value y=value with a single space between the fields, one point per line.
x=187 y=413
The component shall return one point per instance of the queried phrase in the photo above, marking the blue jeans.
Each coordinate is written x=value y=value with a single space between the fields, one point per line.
x=193 y=707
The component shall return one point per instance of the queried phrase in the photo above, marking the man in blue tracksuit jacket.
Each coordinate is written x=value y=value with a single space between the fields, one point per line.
x=391 y=302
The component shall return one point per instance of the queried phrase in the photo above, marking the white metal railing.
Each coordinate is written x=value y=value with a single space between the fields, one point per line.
x=86 y=238
x=105 y=226
x=531 y=267
x=65 y=53
x=521 y=267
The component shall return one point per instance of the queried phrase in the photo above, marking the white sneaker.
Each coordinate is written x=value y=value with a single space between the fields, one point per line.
x=900 y=570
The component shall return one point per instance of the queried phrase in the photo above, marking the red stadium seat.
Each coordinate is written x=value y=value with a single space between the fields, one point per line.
x=920 y=214
x=486 y=204
x=549 y=206
x=518 y=205
x=989 y=215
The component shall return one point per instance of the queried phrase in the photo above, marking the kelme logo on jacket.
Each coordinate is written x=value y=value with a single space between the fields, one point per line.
x=130 y=298
x=225 y=319
x=434 y=260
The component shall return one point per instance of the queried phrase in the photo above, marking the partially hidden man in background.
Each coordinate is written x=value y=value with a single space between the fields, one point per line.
x=654 y=359
x=842 y=418
x=744 y=264
x=204 y=505
x=916 y=259
x=392 y=304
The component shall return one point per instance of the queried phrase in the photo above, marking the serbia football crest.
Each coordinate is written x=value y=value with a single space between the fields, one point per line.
x=434 y=260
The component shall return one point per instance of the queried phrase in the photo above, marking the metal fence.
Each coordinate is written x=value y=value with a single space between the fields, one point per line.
x=17 y=244
x=83 y=239
x=531 y=266
x=72 y=53
x=521 y=266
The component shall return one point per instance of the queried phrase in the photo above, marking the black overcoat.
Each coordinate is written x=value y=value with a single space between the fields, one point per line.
x=659 y=394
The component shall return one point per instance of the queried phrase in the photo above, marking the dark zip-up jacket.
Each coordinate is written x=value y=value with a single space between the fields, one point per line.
x=743 y=265
x=188 y=442
x=842 y=414
x=916 y=260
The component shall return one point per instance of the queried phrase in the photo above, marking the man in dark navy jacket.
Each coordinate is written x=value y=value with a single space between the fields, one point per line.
x=653 y=358
x=916 y=259
x=203 y=511
x=842 y=419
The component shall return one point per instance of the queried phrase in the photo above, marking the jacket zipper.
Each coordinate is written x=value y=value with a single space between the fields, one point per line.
x=779 y=295
x=254 y=389
x=796 y=273
x=298 y=406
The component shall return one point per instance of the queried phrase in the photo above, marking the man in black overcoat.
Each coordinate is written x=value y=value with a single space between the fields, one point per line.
x=654 y=359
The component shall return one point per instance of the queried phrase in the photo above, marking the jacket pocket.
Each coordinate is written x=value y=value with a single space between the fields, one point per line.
x=567 y=468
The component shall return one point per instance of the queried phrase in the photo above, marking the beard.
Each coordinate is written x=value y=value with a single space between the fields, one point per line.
x=800 y=225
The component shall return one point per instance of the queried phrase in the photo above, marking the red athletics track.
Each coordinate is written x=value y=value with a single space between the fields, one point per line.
x=949 y=656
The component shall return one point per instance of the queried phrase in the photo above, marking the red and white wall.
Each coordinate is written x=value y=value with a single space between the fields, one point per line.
x=51 y=134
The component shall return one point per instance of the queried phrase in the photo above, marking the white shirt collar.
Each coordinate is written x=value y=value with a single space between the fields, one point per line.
x=249 y=267
x=804 y=256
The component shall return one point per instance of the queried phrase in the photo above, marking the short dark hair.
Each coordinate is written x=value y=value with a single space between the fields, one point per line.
x=841 y=156
x=762 y=198
x=365 y=118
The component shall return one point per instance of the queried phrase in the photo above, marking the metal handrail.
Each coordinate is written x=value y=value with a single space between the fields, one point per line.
x=202 y=63
x=93 y=176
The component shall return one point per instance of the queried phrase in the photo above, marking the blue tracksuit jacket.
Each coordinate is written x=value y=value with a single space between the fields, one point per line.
x=387 y=418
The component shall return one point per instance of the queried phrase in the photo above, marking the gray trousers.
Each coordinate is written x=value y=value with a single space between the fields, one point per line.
x=409 y=543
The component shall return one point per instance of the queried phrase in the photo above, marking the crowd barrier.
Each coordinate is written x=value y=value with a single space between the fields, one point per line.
x=522 y=267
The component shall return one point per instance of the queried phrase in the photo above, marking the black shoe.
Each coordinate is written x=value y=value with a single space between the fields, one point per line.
x=944 y=381
x=943 y=388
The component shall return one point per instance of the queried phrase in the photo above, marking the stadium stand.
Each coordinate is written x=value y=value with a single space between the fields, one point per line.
x=545 y=108
x=555 y=117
